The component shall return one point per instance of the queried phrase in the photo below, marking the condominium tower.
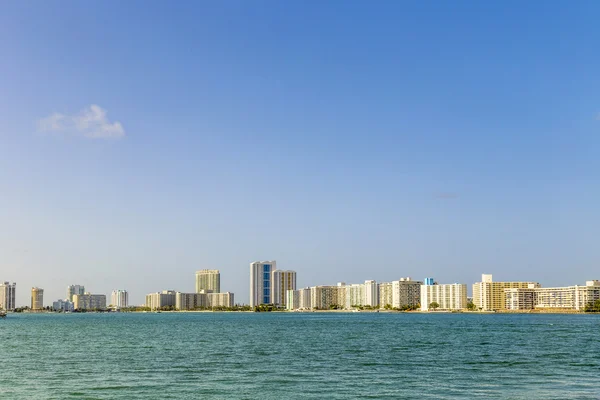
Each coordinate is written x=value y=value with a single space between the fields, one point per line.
x=489 y=295
x=37 y=298
x=88 y=301
x=208 y=280
x=72 y=290
x=7 y=296
x=119 y=298
x=448 y=296
x=260 y=282
x=281 y=282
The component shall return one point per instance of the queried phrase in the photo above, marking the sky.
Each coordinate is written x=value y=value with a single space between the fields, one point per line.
x=141 y=141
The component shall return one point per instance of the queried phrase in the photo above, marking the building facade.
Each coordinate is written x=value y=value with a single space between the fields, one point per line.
x=489 y=295
x=225 y=299
x=576 y=297
x=37 y=298
x=327 y=297
x=119 y=298
x=260 y=282
x=447 y=296
x=166 y=298
x=519 y=298
x=72 y=290
x=63 y=305
x=298 y=299
x=281 y=282
x=189 y=301
x=7 y=296
x=385 y=295
x=208 y=280
x=88 y=301
x=406 y=293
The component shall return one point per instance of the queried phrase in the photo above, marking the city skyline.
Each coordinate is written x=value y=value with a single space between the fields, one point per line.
x=397 y=138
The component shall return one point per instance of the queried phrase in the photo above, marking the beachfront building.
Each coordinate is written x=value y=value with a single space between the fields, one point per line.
x=37 y=298
x=406 y=293
x=385 y=295
x=371 y=294
x=448 y=296
x=7 y=296
x=489 y=295
x=119 y=298
x=298 y=299
x=224 y=299
x=260 y=282
x=188 y=301
x=281 y=282
x=520 y=298
x=157 y=300
x=568 y=298
x=88 y=301
x=328 y=297
x=72 y=290
x=63 y=305
x=208 y=280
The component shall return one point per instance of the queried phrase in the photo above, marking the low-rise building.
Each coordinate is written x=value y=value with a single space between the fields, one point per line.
x=88 y=301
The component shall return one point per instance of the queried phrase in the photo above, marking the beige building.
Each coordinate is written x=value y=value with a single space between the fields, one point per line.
x=326 y=297
x=448 y=296
x=520 y=298
x=88 y=301
x=37 y=298
x=189 y=301
x=224 y=299
x=281 y=282
x=406 y=292
x=208 y=280
x=157 y=300
x=489 y=295
x=385 y=294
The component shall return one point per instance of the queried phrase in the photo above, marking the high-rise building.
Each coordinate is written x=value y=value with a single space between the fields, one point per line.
x=260 y=282
x=37 y=298
x=371 y=294
x=166 y=298
x=208 y=280
x=281 y=282
x=489 y=295
x=224 y=299
x=576 y=297
x=88 y=301
x=448 y=296
x=7 y=296
x=406 y=293
x=119 y=298
x=189 y=301
x=298 y=299
x=327 y=297
x=385 y=295
x=72 y=290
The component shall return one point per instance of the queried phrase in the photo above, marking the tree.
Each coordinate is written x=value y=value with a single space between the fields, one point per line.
x=434 y=305
x=471 y=306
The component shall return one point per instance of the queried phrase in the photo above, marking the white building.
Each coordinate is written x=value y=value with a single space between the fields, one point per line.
x=208 y=280
x=371 y=294
x=189 y=301
x=119 y=298
x=281 y=282
x=298 y=299
x=568 y=298
x=7 y=296
x=72 y=290
x=406 y=293
x=157 y=300
x=88 y=301
x=448 y=296
x=385 y=295
x=260 y=282
x=225 y=299
x=63 y=305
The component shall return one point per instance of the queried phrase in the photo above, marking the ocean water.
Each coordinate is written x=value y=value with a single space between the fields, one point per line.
x=294 y=355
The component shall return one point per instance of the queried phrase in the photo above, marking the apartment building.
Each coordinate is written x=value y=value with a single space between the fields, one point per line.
x=406 y=292
x=88 y=301
x=448 y=296
x=158 y=300
x=7 y=296
x=208 y=280
x=489 y=295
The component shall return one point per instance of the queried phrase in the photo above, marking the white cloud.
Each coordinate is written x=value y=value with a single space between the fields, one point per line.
x=91 y=122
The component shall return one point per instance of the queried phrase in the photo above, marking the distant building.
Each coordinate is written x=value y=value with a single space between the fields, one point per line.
x=260 y=282
x=37 y=298
x=119 y=298
x=63 y=305
x=520 y=298
x=189 y=301
x=219 y=300
x=568 y=298
x=209 y=280
x=429 y=281
x=327 y=297
x=406 y=293
x=72 y=290
x=88 y=301
x=448 y=296
x=166 y=298
x=7 y=296
x=281 y=282
x=385 y=294
x=298 y=299
x=489 y=295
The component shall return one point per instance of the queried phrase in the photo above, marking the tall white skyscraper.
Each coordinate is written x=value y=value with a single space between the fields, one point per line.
x=281 y=282
x=119 y=298
x=208 y=280
x=73 y=290
x=7 y=296
x=260 y=282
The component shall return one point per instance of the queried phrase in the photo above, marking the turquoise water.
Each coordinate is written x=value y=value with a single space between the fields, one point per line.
x=293 y=355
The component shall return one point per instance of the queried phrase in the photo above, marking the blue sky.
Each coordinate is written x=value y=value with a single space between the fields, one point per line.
x=348 y=140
